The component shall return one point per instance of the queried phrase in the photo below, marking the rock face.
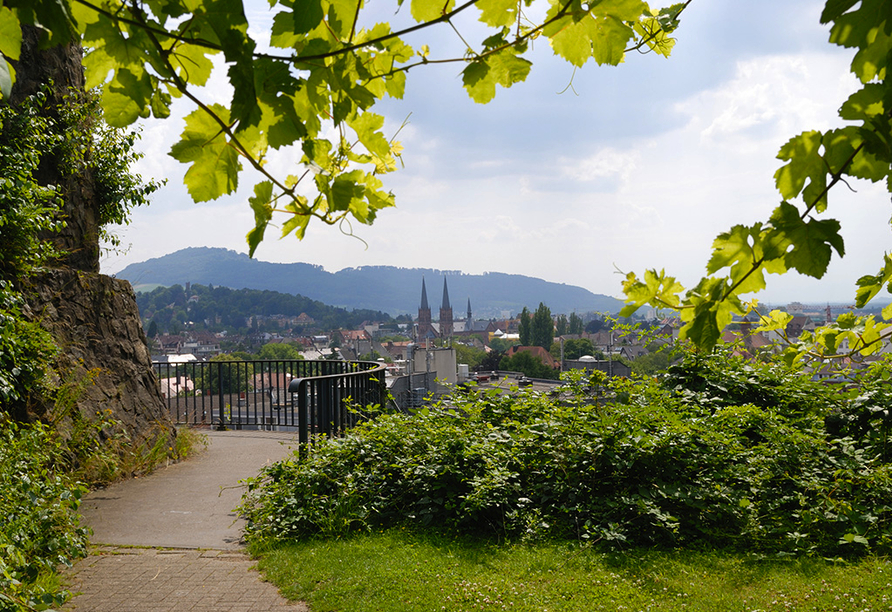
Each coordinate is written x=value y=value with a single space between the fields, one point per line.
x=95 y=323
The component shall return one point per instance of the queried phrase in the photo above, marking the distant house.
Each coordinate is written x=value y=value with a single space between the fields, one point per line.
x=277 y=381
x=799 y=324
x=174 y=387
x=633 y=351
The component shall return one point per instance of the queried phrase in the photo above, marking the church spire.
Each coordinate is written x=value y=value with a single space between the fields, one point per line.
x=446 y=314
x=446 y=305
x=469 y=309
x=424 y=305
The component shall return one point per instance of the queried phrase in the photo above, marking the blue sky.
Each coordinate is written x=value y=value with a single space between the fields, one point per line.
x=633 y=167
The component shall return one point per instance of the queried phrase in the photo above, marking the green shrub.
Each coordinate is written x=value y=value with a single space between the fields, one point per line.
x=660 y=465
x=39 y=531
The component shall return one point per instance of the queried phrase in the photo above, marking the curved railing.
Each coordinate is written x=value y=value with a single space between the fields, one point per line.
x=310 y=397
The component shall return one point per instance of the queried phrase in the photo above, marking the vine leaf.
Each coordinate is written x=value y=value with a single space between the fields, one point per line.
x=215 y=165
x=261 y=204
x=10 y=36
x=803 y=154
x=481 y=76
x=811 y=241
x=424 y=10
x=498 y=13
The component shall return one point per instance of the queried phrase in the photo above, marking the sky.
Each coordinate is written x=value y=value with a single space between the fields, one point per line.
x=574 y=176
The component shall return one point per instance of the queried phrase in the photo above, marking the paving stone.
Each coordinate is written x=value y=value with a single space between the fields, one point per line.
x=210 y=572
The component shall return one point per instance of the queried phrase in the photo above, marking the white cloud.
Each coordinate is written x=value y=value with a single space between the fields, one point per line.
x=606 y=163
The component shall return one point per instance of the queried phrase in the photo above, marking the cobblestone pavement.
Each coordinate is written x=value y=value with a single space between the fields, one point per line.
x=171 y=541
x=166 y=580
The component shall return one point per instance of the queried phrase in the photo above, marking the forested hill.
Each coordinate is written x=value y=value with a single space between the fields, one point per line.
x=170 y=307
x=389 y=289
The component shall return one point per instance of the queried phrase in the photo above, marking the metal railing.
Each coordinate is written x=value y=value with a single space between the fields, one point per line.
x=324 y=397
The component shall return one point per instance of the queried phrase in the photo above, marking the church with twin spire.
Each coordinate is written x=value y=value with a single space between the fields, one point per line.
x=426 y=328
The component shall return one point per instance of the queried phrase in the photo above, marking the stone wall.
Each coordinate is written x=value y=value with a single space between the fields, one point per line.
x=95 y=323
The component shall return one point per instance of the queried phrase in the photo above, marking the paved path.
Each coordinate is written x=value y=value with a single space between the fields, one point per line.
x=171 y=541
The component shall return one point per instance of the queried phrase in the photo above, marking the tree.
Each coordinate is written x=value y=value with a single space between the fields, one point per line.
x=561 y=325
x=596 y=325
x=469 y=355
x=528 y=364
x=524 y=328
x=541 y=328
x=279 y=351
x=575 y=348
x=326 y=70
x=575 y=326
x=501 y=345
x=799 y=236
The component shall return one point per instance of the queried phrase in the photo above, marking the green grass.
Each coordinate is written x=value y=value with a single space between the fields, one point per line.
x=402 y=572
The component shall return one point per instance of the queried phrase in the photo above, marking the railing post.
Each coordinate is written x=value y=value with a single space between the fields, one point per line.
x=220 y=394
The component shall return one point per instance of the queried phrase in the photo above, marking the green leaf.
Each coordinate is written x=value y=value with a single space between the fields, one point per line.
x=341 y=17
x=97 y=66
x=853 y=29
x=835 y=8
x=476 y=79
x=299 y=220
x=10 y=34
x=805 y=163
x=623 y=10
x=263 y=213
x=711 y=309
x=497 y=13
x=481 y=76
x=192 y=64
x=732 y=247
x=776 y=320
x=127 y=98
x=6 y=78
x=105 y=34
x=282 y=34
x=851 y=538
x=658 y=289
x=872 y=60
x=610 y=40
x=344 y=189
x=215 y=165
x=368 y=129
x=811 y=241
x=864 y=103
x=602 y=34
x=869 y=286
x=426 y=10
x=53 y=17
x=306 y=16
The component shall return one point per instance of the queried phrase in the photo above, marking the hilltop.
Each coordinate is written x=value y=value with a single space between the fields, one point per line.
x=386 y=288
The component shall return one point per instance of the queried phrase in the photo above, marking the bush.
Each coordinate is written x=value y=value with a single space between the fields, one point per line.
x=39 y=531
x=659 y=465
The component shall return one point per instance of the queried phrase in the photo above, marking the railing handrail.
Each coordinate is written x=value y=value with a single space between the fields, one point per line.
x=316 y=403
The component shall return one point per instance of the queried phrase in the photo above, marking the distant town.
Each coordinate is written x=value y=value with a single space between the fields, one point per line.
x=193 y=323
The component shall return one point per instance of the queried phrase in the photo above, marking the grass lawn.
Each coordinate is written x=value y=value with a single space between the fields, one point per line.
x=396 y=571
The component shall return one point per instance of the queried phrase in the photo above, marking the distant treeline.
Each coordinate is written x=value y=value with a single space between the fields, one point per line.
x=170 y=308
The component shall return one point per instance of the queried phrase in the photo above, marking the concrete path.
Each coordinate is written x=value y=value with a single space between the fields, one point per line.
x=171 y=541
